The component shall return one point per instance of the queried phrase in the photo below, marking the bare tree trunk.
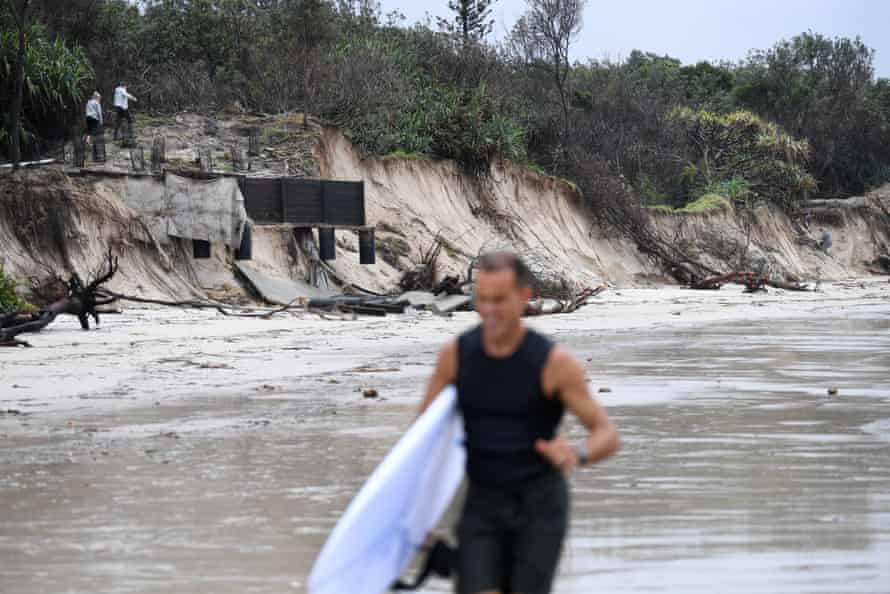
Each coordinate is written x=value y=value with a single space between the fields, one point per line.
x=564 y=103
x=15 y=110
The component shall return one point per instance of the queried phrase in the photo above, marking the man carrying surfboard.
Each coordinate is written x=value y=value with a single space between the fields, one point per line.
x=513 y=386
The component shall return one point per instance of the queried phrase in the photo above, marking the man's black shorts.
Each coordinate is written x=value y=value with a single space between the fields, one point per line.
x=123 y=114
x=510 y=539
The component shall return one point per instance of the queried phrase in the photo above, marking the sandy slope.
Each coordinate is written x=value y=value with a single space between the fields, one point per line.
x=542 y=218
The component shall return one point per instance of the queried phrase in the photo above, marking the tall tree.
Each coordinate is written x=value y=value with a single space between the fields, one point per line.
x=743 y=148
x=817 y=87
x=543 y=36
x=21 y=13
x=471 y=20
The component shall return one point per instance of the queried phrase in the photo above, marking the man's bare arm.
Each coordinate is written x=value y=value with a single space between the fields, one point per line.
x=564 y=377
x=445 y=373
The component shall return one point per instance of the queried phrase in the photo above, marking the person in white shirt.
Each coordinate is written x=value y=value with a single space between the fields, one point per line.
x=94 y=115
x=122 y=107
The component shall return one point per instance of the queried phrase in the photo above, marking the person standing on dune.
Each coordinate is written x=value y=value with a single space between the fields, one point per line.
x=122 y=109
x=94 y=116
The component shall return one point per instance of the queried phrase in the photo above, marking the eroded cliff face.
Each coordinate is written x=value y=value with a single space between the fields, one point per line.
x=414 y=199
x=54 y=223
x=768 y=240
x=411 y=201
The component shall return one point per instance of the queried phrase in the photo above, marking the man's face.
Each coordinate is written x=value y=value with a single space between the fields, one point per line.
x=500 y=301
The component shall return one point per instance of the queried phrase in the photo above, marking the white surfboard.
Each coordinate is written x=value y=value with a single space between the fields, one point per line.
x=398 y=505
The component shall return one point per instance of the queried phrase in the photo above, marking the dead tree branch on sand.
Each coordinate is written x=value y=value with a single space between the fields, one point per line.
x=424 y=276
x=81 y=300
x=753 y=282
x=539 y=307
x=226 y=310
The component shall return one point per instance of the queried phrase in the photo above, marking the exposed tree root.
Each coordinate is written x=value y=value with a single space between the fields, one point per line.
x=82 y=300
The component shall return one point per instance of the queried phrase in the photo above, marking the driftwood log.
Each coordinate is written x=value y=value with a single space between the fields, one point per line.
x=752 y=281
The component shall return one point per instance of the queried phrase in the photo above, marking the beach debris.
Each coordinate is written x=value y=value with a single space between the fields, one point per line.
x=540 y=306
x=369 y=369
x=274 y=290
x=833 y=391
x=423 y=276
x=418 y=299
x=752 y=282
x=358 y=304
x=450 y=285
x=370 y=393
x=604 y=390
x=880 y=265
x=215 y=366
x=81 y=300
x=450 y=303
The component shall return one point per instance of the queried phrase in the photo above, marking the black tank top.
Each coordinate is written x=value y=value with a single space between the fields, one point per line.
x=504 y=409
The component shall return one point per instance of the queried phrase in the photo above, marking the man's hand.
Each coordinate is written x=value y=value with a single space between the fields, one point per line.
x=559 y=452
x=564 y=378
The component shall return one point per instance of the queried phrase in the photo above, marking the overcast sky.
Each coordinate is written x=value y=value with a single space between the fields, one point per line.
x=694 y=30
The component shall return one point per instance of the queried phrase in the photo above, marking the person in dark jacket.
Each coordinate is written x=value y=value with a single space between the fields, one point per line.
x=513 y=387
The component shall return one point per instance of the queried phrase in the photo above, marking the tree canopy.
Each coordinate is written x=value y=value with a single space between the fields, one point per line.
x=807 y=114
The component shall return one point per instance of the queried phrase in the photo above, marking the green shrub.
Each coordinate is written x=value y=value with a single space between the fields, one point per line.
x=735 y=189
x=9 y=300
x=392 y=104
x=56 y=78
x=707 y=203
x=740 y=153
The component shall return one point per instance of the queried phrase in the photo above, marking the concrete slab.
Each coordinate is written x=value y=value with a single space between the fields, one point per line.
x=418 y=298
x=449 y=303
x=280 y=291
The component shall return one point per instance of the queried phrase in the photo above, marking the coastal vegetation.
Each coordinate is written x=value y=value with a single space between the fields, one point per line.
x=805 y=118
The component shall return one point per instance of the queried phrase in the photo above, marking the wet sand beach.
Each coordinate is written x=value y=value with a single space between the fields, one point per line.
x=175 y=451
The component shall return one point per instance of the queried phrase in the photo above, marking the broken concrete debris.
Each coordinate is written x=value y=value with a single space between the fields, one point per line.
x=277 y=290
x=450 y=303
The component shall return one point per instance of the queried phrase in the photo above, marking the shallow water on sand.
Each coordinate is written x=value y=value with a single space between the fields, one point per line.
x=739 y=473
